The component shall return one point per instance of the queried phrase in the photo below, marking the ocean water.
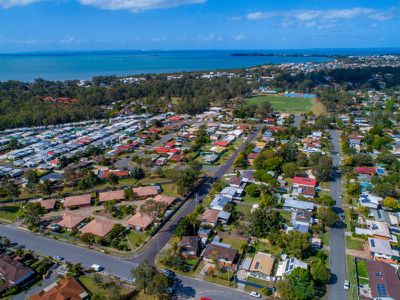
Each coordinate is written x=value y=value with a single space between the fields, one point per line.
x=85 y=65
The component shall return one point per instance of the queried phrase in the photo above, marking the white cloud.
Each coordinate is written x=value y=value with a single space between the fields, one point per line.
x=138 y=5
x=10 y=3
x=333 y=14
x=239 y=37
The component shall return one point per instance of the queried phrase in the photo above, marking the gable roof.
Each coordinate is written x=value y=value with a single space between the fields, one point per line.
x=166 y=199
x=77 y=200
x=220 y=252
x=66 y=289
x=305 y=181
x=384 y=280
x=146 y=191
x=263 y=263
x=98 y=227
x=112 y=195
x=48 y=203
x=13 y=272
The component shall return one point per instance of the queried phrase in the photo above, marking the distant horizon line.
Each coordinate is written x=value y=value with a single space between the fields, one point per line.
x=187 y=50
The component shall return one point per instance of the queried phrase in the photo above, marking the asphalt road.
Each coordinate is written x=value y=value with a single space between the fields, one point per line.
x=337 y=254
x=189 y=288
x=153 y=247
x=74 y=254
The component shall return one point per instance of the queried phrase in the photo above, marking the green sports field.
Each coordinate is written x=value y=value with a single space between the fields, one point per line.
x=284 y=104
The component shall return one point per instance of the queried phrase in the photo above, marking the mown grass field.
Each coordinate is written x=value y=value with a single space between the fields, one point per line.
x=284 y=104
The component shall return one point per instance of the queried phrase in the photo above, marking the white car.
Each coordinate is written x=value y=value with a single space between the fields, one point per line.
x=255 y=294
x=96 y=268
x=346 y=285
x=57 y=257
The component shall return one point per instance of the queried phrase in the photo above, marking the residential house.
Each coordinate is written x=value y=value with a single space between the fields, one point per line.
x=98 y=227
x=370 y=201
x=168 y=200
x=70 y=221
x=262 y=266
x=225 y=257
x=287 y=265
x=212 y=217
x=302 y=217
x=189 y=247
x=145 y=192
x=48 y=204
x=219 y=202
x=12 y=273
x=77 y=201
x=293 y=204
x=382 y=250
x=384 y=281
x=140 y=221
x=303 y=182
x=65 y=289
x=118 y=195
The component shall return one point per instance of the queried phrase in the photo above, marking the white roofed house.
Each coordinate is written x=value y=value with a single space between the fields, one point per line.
x=287 y=265
x=293 y=204
x=382 y=250
x=370 y=201
x=219 y=202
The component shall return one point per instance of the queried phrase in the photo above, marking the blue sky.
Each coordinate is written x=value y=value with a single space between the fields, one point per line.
x=40 y=25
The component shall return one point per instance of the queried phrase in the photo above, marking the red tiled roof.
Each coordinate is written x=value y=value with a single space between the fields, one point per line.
x=221 y=143
x=112 y=195
x=304 y=181
x=365 y=170
x=66 y=289
x=77 y=200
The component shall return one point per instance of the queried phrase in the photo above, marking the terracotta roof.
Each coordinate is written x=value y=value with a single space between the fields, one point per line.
x=48 y=203
x=98 y=227
x=210 y=215
x=66 y=289
x=70 y=220
x=77 y=200
x=166 y=199
x=384 y=280
x=112 y=195
x=13 y=272
x=140 y=220
x=262 y=263
x=146 y=191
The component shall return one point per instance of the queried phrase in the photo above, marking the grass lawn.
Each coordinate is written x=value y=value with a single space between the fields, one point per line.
x=251 y=200
x=169 y=189
x=245 y=209
x=355 y=244
x=94 y=288
x=235 y=243
x=10 y=213
x=219 y=281
x=136 y=238
x=284 y=104
x=286 y=215
x=325 y=239
x=264 y=246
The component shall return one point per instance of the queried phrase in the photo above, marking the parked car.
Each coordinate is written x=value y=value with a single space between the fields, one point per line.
x=57 y=257
x=255 y=294
x=346 y=285
x=96 y=268
x=169 y=273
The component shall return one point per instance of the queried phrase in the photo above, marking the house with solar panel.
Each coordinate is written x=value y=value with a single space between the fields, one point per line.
x=287 y=265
